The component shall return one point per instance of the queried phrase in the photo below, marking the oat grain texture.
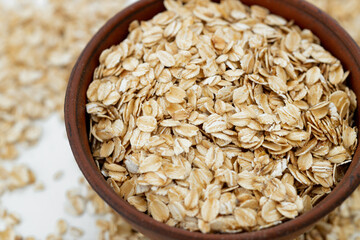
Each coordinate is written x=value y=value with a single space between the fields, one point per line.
x=38 y=47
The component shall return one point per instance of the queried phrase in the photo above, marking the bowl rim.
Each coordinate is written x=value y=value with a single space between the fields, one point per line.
x=347 y=185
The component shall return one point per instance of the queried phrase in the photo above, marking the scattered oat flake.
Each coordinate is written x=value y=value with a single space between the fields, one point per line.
x=58 y=175
x=76 y=232
x=61 y=227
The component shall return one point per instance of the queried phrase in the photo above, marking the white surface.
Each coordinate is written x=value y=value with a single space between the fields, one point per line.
x=39 y=210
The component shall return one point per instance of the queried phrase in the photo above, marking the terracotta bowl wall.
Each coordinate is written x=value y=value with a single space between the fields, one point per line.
x=333 y=38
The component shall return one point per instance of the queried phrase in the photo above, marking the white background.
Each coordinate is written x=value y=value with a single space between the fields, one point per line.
x=39 y=210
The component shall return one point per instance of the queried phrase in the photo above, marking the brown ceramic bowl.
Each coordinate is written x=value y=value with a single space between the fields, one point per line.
x=333 y=38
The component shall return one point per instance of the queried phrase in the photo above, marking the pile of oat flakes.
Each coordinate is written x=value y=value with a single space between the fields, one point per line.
x=38 y=48
x=220 y=117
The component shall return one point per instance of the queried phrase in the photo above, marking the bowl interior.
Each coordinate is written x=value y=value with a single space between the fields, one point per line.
x=333 y=38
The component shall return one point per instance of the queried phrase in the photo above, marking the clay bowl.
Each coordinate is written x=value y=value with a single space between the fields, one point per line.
x=333 y=38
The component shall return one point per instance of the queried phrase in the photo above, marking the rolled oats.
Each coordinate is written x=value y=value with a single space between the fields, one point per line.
x=76 y=232
x=208 y=78
x=61 y=227
x=32 y=81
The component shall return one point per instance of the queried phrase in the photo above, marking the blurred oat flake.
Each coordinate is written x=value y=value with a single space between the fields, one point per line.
x=40 y=41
